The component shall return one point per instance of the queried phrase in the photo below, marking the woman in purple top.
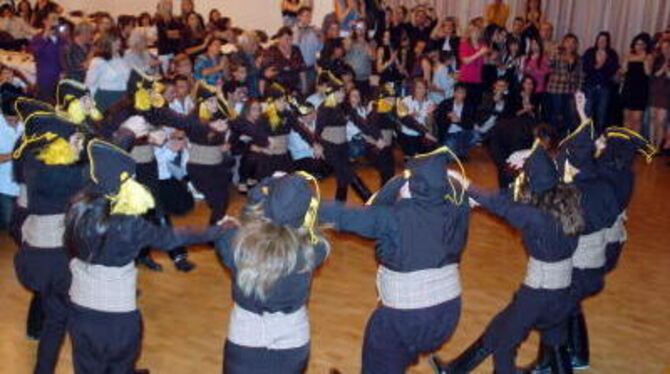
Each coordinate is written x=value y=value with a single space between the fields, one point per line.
x=46 y=48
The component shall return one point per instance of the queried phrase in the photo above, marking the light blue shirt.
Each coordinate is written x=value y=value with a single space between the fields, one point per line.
x=308 y=41
x=297 y=146
x=8 y=137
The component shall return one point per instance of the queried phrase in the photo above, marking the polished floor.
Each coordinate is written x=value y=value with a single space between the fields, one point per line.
x=186 y=315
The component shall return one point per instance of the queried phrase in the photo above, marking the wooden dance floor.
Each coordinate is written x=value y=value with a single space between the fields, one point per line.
x=186 y=315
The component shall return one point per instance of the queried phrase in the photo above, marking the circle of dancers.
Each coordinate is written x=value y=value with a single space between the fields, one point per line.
x=90 y=209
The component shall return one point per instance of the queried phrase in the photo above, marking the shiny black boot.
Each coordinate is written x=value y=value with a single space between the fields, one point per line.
x=463 y=364
x=560 y=360
x=148 y=262
x=361 y=189
x=341 y=194
x=578 y=340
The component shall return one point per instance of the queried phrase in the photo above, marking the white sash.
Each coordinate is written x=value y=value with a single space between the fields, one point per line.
x=548 y=275
x=418 y=289
x=590 y=253
x=104 y=288
x=269 y=330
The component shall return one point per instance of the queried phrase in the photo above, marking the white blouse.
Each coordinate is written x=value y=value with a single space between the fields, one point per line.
x=106 y=75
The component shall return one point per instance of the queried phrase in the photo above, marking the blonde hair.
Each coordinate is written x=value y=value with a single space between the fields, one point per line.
x=265 y=251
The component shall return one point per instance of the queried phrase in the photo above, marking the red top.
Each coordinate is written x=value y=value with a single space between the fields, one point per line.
x=472 y=72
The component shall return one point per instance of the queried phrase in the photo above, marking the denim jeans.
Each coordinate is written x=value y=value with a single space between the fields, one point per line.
x=461 y=142
x=597 y=104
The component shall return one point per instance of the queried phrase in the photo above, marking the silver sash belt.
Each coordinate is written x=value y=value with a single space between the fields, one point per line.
x=205 y=154
x=617 y=233
x=548 y=275
x=590 y=253
x=143 y=154
x=278 y=146
x=269 y=330
x=334 y=135
x=22 y=199
x=418 y=289
x=44 y=231
x=104 y=288
x=387 y=136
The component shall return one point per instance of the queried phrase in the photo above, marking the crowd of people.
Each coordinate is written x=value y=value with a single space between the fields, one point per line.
x=132 y=119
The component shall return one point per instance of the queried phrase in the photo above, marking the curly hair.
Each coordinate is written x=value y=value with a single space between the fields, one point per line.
x=562 y=202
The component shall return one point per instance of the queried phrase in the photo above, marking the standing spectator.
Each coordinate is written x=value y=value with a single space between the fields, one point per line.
x=17 y=27
x=497 y=13
x=137 y=55
x=565 y=79
x=534 y=15
x=145 y=25
x=46 y=47
x=75 y=55
x=188 y=8
x=635 y=91
x=444 y=77
x=25 y=11
x=389 y=66
x=471 y=52
x=659 y=94
x=211 y=66
x=169 y=33
x=347 y=13
x=399 y=26
x=307 y=38
x=10 y=131
x=43 y=8
x=214 y=20
x=360 y=56
x=511 y=67
x=105 y=23
x=194 y=37
x=108 y=73
x=536 y=66
x=126 y=25
x=422 y=25
x=445 y=38
x=600 y=64
x=289 y=11
x=283 y=63
x=547 y=37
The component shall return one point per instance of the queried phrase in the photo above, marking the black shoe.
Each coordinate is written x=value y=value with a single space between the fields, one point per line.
x=465 y=363
x=149 y=263
x=35 y=318
x=361 y=189
x=184 y=265
x=560 y=360
x=541 y=365
x=578 y=343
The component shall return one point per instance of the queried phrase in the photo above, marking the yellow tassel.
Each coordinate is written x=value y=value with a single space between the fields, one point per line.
x=142 y=100
x=383 y=106
x=96 y=115
x=273 y=116
x=204 y=113
x=58 y=152
x=157 y=100
x=330 y=101
x=312 y=213
x=76 y=112
x=133 y=199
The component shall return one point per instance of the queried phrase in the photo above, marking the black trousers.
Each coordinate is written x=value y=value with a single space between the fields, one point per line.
x=46 y=271
x=384 y=161
x=104 y=343
x=213 y=181
x=238 y=359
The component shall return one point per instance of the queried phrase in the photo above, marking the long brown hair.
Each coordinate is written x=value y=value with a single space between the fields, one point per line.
x=563 y=202
x=265 y=251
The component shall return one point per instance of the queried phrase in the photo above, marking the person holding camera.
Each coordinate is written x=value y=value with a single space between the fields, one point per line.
x=46 y=47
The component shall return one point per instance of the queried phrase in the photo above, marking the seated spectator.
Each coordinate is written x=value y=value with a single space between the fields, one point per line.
x=211 y=66
x=455 y=120
x=496 y=104
x=182 y=102
x=421 y=109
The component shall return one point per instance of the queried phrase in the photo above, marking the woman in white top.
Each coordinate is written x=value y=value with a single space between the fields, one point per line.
x=108 y=72
x=137 y=55
x=444 y=77
x=420 y=108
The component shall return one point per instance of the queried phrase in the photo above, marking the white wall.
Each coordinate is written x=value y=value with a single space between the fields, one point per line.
x=249 y=14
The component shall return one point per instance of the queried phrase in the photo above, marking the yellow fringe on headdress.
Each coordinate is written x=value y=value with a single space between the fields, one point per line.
x=75 y=111
x=330 y=101
x=401 y=109
x=384 y=106
x=203 y=112
x=27 y=140
x=146 y=99
x=58 y=152
x=273 y=116
x=587 y=123
x=133 y=199
x=648 y=151
x=312 y=213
